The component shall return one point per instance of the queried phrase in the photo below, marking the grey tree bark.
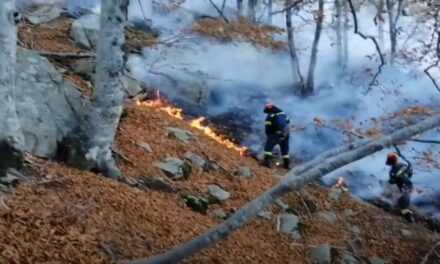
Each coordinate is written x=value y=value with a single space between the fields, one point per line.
x=345 y=42
x=269 y=12
x=380 y=23
x=108 y=94
x=393 y=17
x=10 y=129
x=338 y=26
x=310 y=82
x=291 y=182
x=240 y=8
x=296 y=71
x=252 y=10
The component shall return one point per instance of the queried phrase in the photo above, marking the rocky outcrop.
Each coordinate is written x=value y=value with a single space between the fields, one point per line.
x=49 y=107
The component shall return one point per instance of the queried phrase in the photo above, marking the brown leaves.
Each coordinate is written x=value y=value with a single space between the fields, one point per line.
x=240 y=30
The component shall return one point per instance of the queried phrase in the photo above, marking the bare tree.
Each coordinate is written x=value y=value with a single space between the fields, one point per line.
x=240 y=8
x=269 y=11
x=108 y=94
x=10 y=129
x=294 y=180
x=296 y=71
x=338 y=27
x=252 y=10
x=345 y=42
x=310 y=82
x=393 y=17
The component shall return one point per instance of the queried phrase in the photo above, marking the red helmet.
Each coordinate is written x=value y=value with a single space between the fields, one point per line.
x=392 y=159
x=268 y=106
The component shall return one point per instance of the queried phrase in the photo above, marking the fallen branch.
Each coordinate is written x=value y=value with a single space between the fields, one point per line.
x=429 y=141
x=367 y=37
x=426 y=257
x=66 y=54
x=289 y=183
x=123 y=157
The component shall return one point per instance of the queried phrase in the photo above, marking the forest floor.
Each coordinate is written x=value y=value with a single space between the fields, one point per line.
x=65 y=215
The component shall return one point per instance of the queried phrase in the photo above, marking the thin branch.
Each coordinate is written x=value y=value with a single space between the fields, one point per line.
x=428 y=141
x=292 y=5
x=426 y=258
x=367 y=37
x=219 y=11
x=66 y=54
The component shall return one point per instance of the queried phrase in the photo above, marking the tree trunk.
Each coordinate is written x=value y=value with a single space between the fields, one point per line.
x=393 y=18
x=269 y=12
x=296 y=71
x=240 y=8
x=291 y=182
x=10 y=129
x=310 y=83
x=345 y=35
x=380 y=23
x=252 y=15
x=108 y=96
x=339 y=52
x=390 y=11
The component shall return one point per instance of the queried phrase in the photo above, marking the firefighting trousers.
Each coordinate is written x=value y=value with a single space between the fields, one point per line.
x=272 y=141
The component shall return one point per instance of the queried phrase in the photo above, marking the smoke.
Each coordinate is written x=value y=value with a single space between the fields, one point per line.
x=218 y=77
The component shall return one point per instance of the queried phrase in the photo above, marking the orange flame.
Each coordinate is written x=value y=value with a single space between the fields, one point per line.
x=163 y=105
x=197 y=123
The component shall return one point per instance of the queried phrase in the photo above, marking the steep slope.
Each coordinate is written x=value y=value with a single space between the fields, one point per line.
x=65 y=215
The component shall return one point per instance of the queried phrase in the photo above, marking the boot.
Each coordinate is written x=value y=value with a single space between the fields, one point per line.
x=267 y=161
x=286 y=163
x=408 y=215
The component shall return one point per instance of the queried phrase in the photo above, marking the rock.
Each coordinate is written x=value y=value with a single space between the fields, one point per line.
x=349 y=212
x=218 y=193
x=321 y=255
x=84 y=67
x=49 y=107
x=198 y=204
x=180 y=134
x=157 y=183
x=131 y=86
x=283 y=206
x=335 y=194
x=376 y=260
x=42 y=13
x=219 y=214
x=79 y=8
x=85 y=31
x=12 y=178
x=174 y=168
x=196 y=160
x=354 y=229
x=265 y=215
x=243 y=172
x=348 y=258
x=328 y=216
x=406 y=233
x=145 y=146
x=289 y=224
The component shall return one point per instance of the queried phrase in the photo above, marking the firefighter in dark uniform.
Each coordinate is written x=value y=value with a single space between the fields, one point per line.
x=277 y=133
x=400 y=174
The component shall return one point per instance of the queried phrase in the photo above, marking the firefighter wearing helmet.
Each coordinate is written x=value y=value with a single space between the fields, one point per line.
x=400 y=174
x=277 y=133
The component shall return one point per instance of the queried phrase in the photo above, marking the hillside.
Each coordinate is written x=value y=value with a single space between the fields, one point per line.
x=64 y=215
x=60 y=214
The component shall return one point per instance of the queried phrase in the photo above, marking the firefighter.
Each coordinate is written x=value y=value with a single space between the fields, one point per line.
x=400 y=174
x=277 y=133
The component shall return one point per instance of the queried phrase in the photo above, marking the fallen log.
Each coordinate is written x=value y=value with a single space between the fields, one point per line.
x=291 y=182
